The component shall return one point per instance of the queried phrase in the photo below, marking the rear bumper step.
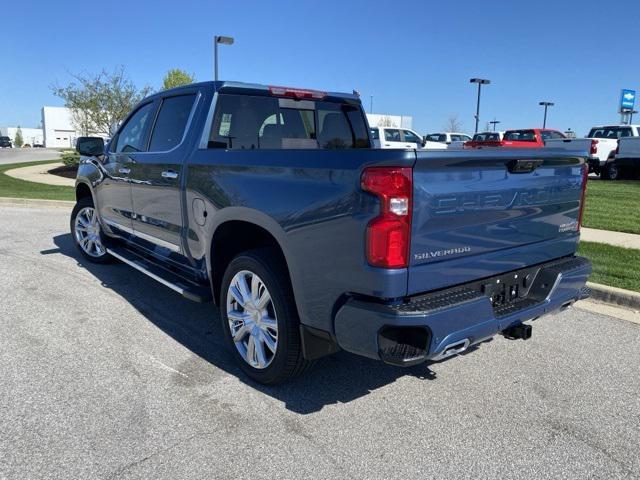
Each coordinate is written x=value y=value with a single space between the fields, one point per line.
x=455 y=318
x=188 y=289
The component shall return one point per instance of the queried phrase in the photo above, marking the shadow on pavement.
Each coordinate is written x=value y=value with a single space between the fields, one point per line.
x=340 y=378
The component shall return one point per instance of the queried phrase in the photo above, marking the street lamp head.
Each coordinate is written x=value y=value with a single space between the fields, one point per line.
x=481 y=81
x=546 y=104
x=224 y=40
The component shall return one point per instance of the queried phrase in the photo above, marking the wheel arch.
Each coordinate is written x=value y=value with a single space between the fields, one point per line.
x=235 y=233
x=83 y=190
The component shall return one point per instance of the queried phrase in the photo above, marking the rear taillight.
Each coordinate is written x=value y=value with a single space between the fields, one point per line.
x=585 y=176
x=594 y=147
x=389 y=234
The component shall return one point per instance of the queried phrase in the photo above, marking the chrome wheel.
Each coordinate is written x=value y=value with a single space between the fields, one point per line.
x=252 y=319
x=87 y=232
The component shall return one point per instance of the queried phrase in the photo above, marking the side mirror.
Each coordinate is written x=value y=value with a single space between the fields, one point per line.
x=423 y=143
x=90 y=146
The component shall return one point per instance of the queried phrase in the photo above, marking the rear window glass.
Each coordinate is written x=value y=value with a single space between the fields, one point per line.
x=486 y=137
x=520 y=136
x=171 y=122
x=551 y=134
x=437 y=137
x=610 y=132
x=375 y=135
x=261 y=122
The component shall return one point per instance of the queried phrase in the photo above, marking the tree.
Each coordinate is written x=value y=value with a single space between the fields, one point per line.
x=98 y=103
x=453 y=124
x=18 y=141
x=176 y=78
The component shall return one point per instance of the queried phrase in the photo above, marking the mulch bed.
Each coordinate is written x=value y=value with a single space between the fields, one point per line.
x=65 y=171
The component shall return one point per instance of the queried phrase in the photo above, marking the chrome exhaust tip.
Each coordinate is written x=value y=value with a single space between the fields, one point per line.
x=453 y=349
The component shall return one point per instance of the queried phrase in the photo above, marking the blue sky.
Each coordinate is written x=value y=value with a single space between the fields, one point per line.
x=414 y=57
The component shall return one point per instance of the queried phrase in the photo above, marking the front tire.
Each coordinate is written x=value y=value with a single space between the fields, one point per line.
x=259 y=317
x=86 y=232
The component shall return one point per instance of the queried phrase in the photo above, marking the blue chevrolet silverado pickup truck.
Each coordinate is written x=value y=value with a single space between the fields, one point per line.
x=270 y=202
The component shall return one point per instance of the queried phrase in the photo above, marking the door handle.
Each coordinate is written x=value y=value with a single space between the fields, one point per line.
x=169 y=174
x=124 y=170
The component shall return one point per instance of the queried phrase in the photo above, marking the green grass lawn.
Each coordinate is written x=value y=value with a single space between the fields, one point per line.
x=613 y=266
x=613 y=205
x=13 y=187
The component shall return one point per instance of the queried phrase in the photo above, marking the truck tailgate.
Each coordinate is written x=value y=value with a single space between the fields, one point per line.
x=474 y=215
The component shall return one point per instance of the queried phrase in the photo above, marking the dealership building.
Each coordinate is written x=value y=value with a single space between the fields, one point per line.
x=384 y=120
x=57 y=125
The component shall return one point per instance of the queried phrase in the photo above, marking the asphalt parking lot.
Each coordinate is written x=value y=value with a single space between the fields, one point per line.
x=23 y=155
x=107 y=374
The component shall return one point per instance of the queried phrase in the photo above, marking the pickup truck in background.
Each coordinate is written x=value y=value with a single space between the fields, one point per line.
x=481 y=137
x=524 y=138
x=450 y=139
x=626 y=160
x=270 y=202
x=605 y=142
x=392 y=137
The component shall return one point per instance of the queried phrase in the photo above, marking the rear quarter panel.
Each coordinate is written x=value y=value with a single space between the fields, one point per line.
x=311 y=202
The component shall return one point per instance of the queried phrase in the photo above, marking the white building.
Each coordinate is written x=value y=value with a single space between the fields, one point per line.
x=30 y=136
x=59 y=131
x=382 y=120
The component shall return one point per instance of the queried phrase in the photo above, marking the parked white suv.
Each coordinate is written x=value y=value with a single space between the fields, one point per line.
x=392 y=137
x=605 y=144
x=451 y=139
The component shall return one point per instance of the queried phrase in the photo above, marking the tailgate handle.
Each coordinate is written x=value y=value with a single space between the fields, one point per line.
x=523 y=166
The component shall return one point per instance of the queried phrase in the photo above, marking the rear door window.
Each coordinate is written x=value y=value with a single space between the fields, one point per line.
x=171 y=122
x=264 y=122
x=375 y=135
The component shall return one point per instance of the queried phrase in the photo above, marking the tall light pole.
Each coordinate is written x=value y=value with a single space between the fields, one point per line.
x=480 y=82
x=216 y=40
x=494 y=123
x=371 y=105
x=545 y=105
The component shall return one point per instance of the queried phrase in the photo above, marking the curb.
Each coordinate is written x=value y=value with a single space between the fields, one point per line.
x=614 y=296
x=32 y=202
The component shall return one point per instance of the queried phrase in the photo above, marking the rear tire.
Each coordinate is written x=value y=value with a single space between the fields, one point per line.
x=86 y=232
x=257 y=304
x=611 y=172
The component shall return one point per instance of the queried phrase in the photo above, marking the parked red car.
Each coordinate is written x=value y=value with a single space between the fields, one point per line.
x=527 y=138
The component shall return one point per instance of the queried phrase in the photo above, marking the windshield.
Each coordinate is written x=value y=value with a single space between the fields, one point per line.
x=520 y=136
x=610 y=132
